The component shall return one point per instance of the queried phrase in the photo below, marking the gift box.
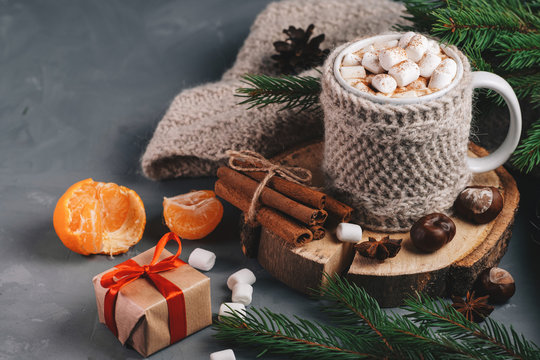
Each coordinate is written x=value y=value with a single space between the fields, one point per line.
x=154 y=299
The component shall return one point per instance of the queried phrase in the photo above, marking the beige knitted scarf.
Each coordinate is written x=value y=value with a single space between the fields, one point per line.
x=205 y=121
x=395 y=163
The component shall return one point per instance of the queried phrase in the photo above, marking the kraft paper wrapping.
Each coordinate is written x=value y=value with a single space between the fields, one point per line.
x=141 y=311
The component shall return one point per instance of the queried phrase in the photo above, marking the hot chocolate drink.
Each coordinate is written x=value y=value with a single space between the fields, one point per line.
x=412 y=66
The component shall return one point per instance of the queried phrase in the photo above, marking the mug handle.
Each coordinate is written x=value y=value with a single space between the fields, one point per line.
x=483 y=79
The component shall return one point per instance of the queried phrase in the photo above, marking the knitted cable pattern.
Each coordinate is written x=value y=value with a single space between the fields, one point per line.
x=203 y=122
x=395 y=163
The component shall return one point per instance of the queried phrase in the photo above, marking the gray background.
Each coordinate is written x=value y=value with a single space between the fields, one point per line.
x=82 y=87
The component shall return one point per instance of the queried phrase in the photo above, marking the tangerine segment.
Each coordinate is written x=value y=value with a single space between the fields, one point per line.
x=99 y=218
x=193 y=215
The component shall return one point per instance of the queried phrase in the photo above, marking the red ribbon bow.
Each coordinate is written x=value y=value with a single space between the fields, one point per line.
x=129 y=271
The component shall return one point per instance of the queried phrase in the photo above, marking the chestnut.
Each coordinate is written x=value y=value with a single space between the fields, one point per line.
x=479 y=204
x=432 y=232
x=497 y=283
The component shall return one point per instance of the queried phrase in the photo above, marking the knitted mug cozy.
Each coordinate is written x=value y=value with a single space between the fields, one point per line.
x=395 y=163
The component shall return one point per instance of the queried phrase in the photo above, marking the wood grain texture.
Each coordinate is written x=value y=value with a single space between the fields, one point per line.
x=302 y=268
x=451 y=270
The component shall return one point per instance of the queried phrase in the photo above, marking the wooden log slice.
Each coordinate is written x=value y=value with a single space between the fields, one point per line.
x=450 y=270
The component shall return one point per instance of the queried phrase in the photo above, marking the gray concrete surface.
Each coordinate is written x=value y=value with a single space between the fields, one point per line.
x=82 y=87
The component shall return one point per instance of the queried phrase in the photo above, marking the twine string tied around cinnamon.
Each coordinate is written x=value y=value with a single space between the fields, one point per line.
x=247 y=161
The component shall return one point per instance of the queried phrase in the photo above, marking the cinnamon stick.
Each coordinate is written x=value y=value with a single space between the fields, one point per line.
x=306 y=195
x=272 y=198
x=281 y=226
x=298 y=192
x=318 y=232
x=338 y=209
x=250 y=236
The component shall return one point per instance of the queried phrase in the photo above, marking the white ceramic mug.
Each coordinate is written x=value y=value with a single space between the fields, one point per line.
x=480 y=79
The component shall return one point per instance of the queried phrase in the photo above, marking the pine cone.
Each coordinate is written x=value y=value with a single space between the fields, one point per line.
x=298 y=52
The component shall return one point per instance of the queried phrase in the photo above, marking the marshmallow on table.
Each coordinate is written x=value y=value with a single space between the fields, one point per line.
x=391 y=57
x=428 y=64
x=242 y=293
x=351 y=59
x=348 y=232
x=417 y=47
x=443 y=74
x=405 y=39
x=353 y=72
x=228 y=308
x=371 y=62
x=405 y=72
x=223 y=355
x=245 y=276
x=202 y=259
x=384 y=83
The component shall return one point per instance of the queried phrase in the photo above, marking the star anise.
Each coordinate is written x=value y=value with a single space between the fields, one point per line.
x=380 y=250
x=298 y=52
x=474 y=309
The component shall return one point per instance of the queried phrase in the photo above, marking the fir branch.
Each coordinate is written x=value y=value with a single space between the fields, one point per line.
x=479 y=15
x=525 y=84
x=269 y=331
x=403 y=338
x=477 y=61
x=354 y=304
x=520 y=51
x=431 y=330
x=292 y=91
x=527 y=155
x=492 y=339
x=420 y=14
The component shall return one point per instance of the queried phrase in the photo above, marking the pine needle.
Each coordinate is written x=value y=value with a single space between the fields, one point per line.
x=527 y=155
x=293 y=92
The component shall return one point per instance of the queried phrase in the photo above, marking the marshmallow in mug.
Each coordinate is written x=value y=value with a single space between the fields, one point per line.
x=405 y=72
x=385 y=44
x=405 y=39
x=428 y=64
x=353 y=72
x=443 y=75
x=371 y=62
x=384 y=83
x=391 y=57
x=434 y=47
x=362 y=87
x=351 y=59
x=406 y=60
x=417 y=47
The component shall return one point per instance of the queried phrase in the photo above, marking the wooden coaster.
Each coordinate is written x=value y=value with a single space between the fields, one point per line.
x=450 y=270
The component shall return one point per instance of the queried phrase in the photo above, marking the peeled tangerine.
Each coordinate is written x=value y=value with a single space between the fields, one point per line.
x=99 y=218
x=193 y=215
